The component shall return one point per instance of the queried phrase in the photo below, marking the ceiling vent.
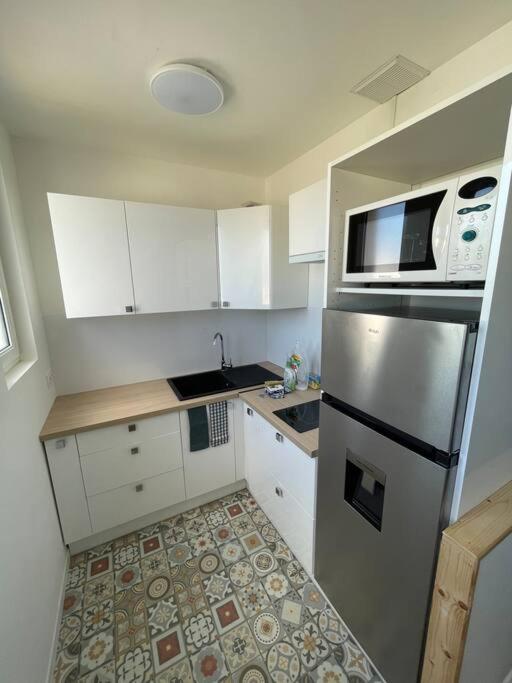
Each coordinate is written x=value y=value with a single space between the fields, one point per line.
x=390 y=79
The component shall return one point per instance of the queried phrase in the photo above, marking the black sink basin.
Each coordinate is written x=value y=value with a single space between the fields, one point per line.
x=217 y=381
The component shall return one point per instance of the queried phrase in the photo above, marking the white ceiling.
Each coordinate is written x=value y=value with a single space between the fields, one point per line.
x=78 y=70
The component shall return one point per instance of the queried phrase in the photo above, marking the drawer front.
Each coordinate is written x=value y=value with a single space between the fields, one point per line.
x=116 y=467
x=294 y=524
x=121 y=505
x=297 y=528
x=297 y=473
x=128 y=433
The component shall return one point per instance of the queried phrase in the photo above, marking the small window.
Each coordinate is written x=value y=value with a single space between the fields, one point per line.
x=9 y=352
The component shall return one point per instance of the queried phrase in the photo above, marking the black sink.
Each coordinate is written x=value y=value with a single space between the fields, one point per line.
x=217 y=381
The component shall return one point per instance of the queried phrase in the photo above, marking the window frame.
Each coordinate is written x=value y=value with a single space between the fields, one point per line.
x=10 y=356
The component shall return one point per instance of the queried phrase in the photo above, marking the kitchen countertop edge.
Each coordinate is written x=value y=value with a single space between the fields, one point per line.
x=265 y=406
x=74 y=413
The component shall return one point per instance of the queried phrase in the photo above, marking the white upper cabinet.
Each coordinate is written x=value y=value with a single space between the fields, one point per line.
x=253 y=260
x=118 y=258
x=92 y=251
x=308 y=216
x=173 y=256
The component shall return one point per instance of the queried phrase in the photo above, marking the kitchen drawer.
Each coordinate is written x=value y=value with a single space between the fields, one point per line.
x=293 y=523
x=121 y=505
x=297 y=528
x=105 y=470
x=297 y=473
x=128 y=433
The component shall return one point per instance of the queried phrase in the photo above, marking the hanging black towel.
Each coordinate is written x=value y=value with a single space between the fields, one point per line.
x=218 y=414
x=198 y=423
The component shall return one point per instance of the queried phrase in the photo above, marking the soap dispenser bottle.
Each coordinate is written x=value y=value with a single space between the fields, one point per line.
x=300 y=364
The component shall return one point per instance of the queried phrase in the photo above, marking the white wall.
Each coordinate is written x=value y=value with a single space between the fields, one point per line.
x=91 y=353
x=490 y=626
x=284 y=328
x=486 y=57
x=32 y=555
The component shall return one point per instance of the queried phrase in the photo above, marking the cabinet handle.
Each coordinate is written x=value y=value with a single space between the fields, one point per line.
x=250 y=412
x=279 y=491
x=214 y=304
x=139 y=488
x=135 y=450
x=128 y=309
x=132 y=427
x=226 y=304
x=279 y=437
x=60 y=443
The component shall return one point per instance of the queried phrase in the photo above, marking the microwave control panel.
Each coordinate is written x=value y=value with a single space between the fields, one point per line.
x=472 y=223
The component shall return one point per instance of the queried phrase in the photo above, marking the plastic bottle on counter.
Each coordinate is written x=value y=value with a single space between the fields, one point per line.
x=290 y=378
x=300 y=364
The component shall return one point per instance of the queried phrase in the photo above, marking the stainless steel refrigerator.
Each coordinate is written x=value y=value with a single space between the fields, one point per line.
x=395 y=389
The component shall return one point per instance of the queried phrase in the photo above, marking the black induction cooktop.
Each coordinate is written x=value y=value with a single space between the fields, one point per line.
x=302 y=417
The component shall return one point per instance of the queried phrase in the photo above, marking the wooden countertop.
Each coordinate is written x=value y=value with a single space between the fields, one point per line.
x=73 y=413
x=265 y=406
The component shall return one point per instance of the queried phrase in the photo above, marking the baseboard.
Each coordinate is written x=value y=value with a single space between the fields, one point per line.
x=153 y=518
x=55 y=638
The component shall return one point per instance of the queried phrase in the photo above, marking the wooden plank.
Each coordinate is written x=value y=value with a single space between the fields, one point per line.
x=450 y=613
x=74 y=413
x=463 y=546
x=483 y=527
x=265 y=406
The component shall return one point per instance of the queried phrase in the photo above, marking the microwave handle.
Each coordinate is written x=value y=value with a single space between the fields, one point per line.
x=443 y=228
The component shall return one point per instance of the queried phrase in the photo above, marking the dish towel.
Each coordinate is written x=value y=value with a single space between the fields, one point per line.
x=218 y=420
x=198 y=423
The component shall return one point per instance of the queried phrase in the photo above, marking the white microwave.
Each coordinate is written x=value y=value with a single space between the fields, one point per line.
x=440 y=233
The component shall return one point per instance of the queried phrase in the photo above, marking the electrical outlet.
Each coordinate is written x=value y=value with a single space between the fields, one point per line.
x=49 y=378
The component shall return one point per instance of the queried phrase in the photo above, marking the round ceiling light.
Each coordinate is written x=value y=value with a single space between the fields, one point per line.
x=187 y=89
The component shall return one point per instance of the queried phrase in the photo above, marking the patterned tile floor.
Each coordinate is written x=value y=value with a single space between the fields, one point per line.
x=213 y=594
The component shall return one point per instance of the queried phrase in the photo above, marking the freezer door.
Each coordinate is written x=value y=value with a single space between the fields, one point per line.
x=405 y=372
x=380 y=510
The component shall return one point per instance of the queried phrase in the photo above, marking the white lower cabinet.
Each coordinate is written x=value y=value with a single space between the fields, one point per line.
x=106 y=477
x=64 y=464
x=282 y=478
x=210 y=468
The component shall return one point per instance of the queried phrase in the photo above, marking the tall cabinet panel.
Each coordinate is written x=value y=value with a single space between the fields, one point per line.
x=253 y=260
x=92 y=252
x=173 y=257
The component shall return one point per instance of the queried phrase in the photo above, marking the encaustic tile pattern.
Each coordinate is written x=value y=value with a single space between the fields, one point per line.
x=213 y=594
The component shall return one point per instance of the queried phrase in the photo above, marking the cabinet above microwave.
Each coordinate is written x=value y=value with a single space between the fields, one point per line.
x=308 y=216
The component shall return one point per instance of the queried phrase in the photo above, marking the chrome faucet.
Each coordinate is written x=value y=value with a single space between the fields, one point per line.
x=223 y=364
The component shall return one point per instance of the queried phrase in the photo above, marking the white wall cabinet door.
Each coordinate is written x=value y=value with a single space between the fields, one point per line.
x=92 y=252
x=308 y=217
x=253 y=260
x=244 y=257
x=210 y=468
x=174 y=257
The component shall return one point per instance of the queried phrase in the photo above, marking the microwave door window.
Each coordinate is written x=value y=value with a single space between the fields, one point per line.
x=383 y=236
x=394 y=238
